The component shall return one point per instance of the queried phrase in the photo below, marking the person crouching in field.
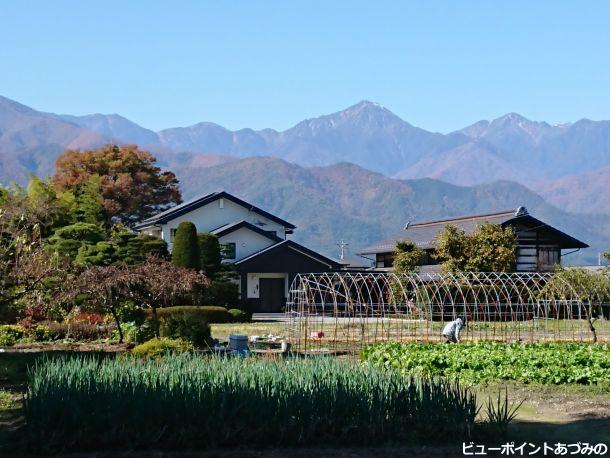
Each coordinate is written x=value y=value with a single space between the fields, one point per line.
x=451 y=331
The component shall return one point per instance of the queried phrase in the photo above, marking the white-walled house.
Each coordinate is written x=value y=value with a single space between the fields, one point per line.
x=254 y=240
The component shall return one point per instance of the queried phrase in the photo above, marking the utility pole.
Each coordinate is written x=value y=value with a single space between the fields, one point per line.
x=342 y=246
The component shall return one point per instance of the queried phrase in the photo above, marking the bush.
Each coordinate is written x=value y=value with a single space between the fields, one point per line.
x=9 y=313
x=212 y=314
x=545 y=363
x=10 y=334
x=75 y=330
x=130 y=312
x=189 y=401
x=222 y=294
x=209 y=250
x=88 y=318
x=239 y=316
x=156 y=347
x=31 y=315
x=41 y=333
x=185 y=252
x=134 y=332
x=191 y=326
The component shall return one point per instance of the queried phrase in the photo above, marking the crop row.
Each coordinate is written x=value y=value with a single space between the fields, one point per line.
x=544 y=363
x=190 y=401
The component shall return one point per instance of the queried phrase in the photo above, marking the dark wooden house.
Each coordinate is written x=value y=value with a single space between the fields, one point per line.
x=539 y=245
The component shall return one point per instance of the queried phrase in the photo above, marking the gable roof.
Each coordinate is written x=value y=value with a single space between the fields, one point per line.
x=293 y=246
x=232 y=227
x=423 y=234
x=186 y=207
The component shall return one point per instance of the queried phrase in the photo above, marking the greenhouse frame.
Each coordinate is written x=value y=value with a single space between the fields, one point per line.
x=345 y=311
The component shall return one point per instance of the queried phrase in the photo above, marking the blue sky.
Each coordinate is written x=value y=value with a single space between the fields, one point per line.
x=439 y=65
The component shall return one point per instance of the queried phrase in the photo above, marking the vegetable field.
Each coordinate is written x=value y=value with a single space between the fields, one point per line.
x=189 y=401
x=544 y=363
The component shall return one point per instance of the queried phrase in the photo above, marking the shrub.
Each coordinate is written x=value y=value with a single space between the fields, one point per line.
x=189 y=401
x=48 y=330
x=75 y=330
x=130 y=312
x=86 y=331
x=10 y=334
x=134 y=332
x=89 y=318
x=157 y=347
x=212 y=314
x=222 y=294
x=191 y=326
x=239 y=316
x=9 y=313
x=31 y=315
x=41 y=333
x=185 y=252
x=209 y=250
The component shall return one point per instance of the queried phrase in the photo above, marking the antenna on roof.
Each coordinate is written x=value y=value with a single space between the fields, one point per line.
x=521 y=211
x=407 y=225
x=342 y=246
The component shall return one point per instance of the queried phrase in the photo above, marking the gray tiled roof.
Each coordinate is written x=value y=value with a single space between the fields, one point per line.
x=186 y=207
x=423 y=234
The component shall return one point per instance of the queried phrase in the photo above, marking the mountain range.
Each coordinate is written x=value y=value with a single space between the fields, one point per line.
x=360 y=173
x=346 y=201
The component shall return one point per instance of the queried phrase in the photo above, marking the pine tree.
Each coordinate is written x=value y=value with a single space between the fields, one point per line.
x=90 y=203
x=185 y=252
x=133 y=248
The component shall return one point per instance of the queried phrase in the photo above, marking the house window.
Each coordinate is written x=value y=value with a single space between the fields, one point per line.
x=548 y=258
x=228 y=250
x=172 y=235
x=384 y=260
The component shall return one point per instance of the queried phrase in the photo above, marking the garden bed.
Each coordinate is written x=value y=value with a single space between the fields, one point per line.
x=544 y=363
x=189 y=401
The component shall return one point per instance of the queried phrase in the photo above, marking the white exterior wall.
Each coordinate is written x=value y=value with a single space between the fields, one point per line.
x=218 y=213
x=253 y=285
x=247 y=242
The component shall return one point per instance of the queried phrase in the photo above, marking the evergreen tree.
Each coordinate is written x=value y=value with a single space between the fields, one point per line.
x=209 y=250
x=185 y=252
x=40 y=190
x=133 y=248
x=67 y=240
x=100 y=254
x=42 y=197
x=90 y=203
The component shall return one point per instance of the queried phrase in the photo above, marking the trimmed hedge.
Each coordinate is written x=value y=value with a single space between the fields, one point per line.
x=155 y=348
x=239 y=316
x=187 y=325
x=185 y=252
x=222 y=293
